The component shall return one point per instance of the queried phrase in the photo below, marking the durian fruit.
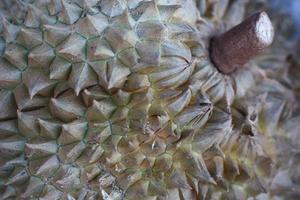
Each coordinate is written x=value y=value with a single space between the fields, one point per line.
x=118 y=99
x=280 y=63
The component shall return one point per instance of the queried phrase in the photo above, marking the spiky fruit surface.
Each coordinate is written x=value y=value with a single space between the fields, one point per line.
x=285 y=184
x=117 y=99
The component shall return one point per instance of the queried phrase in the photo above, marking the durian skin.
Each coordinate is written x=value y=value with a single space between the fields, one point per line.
x=122 y=102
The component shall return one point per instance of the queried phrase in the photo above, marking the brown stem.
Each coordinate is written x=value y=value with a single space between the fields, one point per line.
x=233 y=49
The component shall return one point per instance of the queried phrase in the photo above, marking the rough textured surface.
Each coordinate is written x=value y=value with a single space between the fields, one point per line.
x=233 y=49
x=118 y=99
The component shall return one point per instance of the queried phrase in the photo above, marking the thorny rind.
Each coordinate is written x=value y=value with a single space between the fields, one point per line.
x=112 y=98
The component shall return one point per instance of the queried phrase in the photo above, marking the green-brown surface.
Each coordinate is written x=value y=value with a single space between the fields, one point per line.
x=118 y=99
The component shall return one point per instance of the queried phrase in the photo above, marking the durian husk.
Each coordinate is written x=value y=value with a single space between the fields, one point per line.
x=118 y=99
